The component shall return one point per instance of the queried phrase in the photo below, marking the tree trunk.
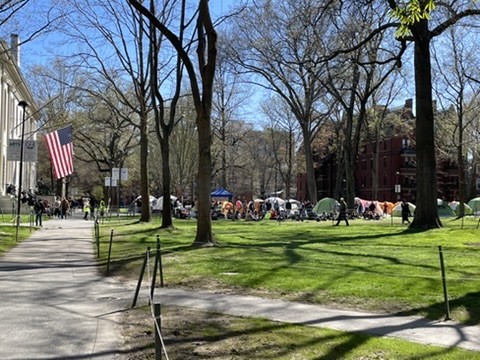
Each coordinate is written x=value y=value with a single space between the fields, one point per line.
x=375 y=170
x=144 y=184
x=204 y=234
x=426 y=212
x=461 y=168
x=166 y=179
x=309 y=167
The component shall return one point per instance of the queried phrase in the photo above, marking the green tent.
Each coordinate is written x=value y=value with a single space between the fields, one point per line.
x=444 y=209
x=475 y=205
x=327 y=204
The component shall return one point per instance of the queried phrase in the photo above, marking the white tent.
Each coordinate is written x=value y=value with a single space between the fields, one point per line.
x=158 y=205
x=272 y=200
x=295 y=204
x=455 y=204
x=153 y=199
x=397 y=209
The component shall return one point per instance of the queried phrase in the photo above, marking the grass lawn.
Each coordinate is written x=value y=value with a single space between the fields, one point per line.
x=8 y=232
x=371 y=265
x=193 y=334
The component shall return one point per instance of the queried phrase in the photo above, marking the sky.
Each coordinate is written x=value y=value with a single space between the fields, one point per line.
x=41 y=49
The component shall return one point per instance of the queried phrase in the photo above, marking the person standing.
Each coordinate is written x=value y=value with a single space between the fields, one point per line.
x=64 y=208
x=93 y=202
x=86 y=208
x=102 y=207
x=56 y=207
x=405 y=212
x=39 y=208
x=342 y=215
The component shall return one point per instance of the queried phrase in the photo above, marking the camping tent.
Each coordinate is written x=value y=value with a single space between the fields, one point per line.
x=327 y=204
x=295 y=204
x=454 y=205
x=272 y=200
x=444 y=209
x=153 y=199
x=133 y=206
x=221 y=193
x=475 y=205
x=397 y=209
x=363 y=205
x=158 y=204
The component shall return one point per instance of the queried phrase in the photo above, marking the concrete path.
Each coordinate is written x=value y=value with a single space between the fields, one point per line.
x=53 y=303
x=414 y=329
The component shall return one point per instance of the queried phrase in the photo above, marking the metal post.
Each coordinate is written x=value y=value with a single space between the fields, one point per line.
x=97 y=234
x=23 y=104
x=160 y=266
x=155 y=266
x=109 y=251
x=444 y=284
x=158 y=343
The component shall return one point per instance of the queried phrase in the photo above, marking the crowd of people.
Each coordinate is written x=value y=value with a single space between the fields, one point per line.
x=60 y=206
x=268 y=210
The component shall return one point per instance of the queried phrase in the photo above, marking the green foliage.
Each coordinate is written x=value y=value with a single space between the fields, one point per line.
x=411 y=12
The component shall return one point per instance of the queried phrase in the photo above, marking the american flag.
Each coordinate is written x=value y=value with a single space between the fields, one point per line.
x=60 y=151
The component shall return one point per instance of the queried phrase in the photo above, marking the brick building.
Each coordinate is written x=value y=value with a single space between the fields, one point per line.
x=396 y=165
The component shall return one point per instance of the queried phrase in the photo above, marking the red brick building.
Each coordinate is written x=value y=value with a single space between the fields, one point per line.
x=396 y=166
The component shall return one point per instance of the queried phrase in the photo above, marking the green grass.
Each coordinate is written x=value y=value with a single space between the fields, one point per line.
x=8 y=232
x=372 y=265
x=207 y=335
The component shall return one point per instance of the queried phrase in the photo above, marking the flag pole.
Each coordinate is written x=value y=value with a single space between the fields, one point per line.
x=23 y=104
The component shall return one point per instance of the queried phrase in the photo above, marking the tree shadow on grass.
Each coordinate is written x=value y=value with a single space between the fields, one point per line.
x=211 y=335
x=469 y=304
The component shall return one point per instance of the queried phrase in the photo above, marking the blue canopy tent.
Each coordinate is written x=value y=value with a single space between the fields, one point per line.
x=221 y=193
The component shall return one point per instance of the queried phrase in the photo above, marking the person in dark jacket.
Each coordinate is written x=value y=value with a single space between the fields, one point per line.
x=405 y=212
x=343 y=212
x=39 y=208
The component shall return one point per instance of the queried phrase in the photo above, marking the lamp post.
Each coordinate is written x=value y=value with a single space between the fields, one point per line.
x=23 y=104
x=397 y=186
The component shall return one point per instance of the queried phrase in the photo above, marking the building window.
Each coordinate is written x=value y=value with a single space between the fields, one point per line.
x=384 y=161
x=384 y=145
x=384 y=179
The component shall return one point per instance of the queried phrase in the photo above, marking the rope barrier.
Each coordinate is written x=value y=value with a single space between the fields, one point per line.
x=340 y=267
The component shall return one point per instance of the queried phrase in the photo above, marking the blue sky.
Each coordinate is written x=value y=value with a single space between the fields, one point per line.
x=43 y=48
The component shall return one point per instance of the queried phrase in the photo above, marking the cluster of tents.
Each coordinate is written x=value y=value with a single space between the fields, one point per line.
x=328 y=204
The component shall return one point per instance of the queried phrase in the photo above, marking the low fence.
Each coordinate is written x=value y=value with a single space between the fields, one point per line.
x=150 y=271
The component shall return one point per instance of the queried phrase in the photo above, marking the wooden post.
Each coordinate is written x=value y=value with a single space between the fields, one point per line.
x=137 y=290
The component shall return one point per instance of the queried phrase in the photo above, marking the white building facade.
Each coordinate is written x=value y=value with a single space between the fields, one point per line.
x=13 y=90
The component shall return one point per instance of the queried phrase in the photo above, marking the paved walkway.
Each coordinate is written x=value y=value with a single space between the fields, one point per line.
x=416 y=329
x=54 y=305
